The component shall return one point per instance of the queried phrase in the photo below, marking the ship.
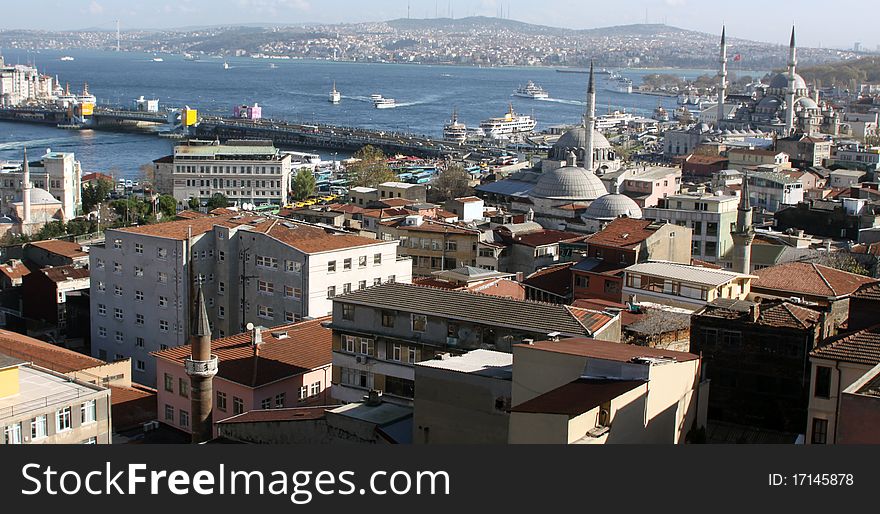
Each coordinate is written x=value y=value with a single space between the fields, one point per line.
x=532 y=90
x=188 y=57
x=335 y=96
x=455 y=131
x=509 y=124
x=158 y=59
x=613 y=120
x=225 y=65
x=67 y=58
x=620 y=85
x=380 y=102
x=661 y=114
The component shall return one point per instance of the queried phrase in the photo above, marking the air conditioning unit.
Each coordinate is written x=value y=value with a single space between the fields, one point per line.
x=360 y=359
x=151 y=425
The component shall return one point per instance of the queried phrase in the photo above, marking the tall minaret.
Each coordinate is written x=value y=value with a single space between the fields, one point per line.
x=590 y=122
x=201 y=367
x=722 y=78
x=790 y=94
x=25 y=191
x=744 y=233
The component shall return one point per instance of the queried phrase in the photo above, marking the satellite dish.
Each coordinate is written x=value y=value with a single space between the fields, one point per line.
x=249 y=326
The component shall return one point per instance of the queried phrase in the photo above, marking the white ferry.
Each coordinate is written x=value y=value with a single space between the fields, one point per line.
x=620 y=85
x=613 y=120
x=67 y=58
x=225 y=65
x=158 y=59
x=335 y=96
x=661 y=114
x=380 y=102
x=509 y=124
x=532 y=90
x=455 y=131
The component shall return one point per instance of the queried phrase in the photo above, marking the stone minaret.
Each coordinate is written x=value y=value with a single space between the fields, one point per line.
x=790 y=94
x=25 y=191
x=590 y=122
x=722 y=78
x=744 y=233
x=201 y=367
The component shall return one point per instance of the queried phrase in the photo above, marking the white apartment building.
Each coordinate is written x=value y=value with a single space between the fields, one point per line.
x=265 y=271
x=57 y=172
x=252 y=172
x=712 y=219
x=772 y=191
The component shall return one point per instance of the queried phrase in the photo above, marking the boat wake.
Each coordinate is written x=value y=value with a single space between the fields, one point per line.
x=562 y=101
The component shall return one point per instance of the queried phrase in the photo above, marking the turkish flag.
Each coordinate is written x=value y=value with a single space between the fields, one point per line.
x=737 y=58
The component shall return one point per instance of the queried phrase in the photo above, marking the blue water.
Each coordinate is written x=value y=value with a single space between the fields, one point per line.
x=297 y=91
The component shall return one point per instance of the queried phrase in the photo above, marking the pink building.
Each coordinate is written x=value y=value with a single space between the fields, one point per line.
x=647 y=185
x=250 y=112
x=290 y=366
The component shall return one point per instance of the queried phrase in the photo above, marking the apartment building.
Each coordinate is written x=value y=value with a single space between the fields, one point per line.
x=432 y=245
x=381 y=332
x=261 y=270
x=250 y=171
x=804 y=150
x=771 y=191
x=56 y=172
x=712 y=219
x=682 y=285
x=741 y=158
x=41 y=406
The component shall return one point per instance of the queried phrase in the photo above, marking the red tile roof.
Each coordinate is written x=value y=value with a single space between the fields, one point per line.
x=554 y=279
x=88 y=177
x=59 y=274
x=623 y=233
x=63 y=248
x=179 y=229
x=578 y=397
x=132 y=406
x=862 y=347
x=627 y=317
x=596 y=349
x=786 y=314
x=868 y=292
x=809 y=279
x=15 y=271
x=547 y=237
x=311 y=239
x=45 y=354
x=308 y=346
x=291 y=414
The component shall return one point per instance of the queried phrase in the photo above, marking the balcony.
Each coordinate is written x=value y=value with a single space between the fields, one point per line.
x=206 y=368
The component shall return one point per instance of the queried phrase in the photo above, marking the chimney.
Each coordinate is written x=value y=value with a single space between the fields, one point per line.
x=373 y=398
x=755 y=312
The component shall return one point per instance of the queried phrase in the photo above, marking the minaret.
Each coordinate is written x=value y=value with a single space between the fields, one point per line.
x=201 y=367
x=590 y=122
x=790 y=94
x=744 y=233
x=25 y=191
x=722 y=78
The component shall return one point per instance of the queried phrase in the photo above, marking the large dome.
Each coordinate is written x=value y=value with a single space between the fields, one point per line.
x=39 y=196
x=780 y=81
x=571 y=183
x=577 y=138
x=613 y=206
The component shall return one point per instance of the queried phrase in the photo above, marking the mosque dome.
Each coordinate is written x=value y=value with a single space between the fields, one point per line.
x=770 y=103
x=577 y=138
x=570 y=183
x=780 y=81
x=613 y=206
x=806 y=103
x=39 y=196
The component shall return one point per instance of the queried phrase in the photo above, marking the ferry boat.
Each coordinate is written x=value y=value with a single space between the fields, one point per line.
x=661 y=114
x=509 y=124
x=532 y=90
x=67 y=58
x=225 y=65
x=455 y=131
x=335 y=96
x=158 y=59
x=613 y=120
x=620 y=85
x=380 y=102
x=189 y=57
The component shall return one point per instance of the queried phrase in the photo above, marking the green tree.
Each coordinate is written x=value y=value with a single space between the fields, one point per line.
x=95 y=194
x=844 y=262
x=371 y=168
x=218 y=201
x=80 y=226
x=167 y=205
x=132 y=211
x=194 y=204
x=303 y=184
x=453 y=182
x=51 y=230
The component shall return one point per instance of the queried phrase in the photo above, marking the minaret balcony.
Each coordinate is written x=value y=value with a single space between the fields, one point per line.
x=196 y=368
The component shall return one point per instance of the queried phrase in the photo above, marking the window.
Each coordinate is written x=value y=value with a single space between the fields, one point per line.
x=392 y=279
x=163 y=301
x=367 y=346
x=13 y=434
x=451 y=246
x=411 y=355
x=377 y=258
x=265 y=312
x=140 y=366
x=139 y=319
x=100 y=264
x=183 y=387
x=696 y=247
x=221 y=401
x=350 y=343
x=120 y=337
x=820 y=431
x=138 y=248
x=315 y=389
x=266 y=403
x=184 y=418
x=346 y=288
x=138 y=271
x=169 y=383
x=346 y=264
x=377 y=281
x=117 y=244
x=117 y=290
x=62 y=419
x=362 y=284
x=823 y=382
x=419 y=322
x=221 y=287
x=362 y=261
x=163 y=325
x=39 y=428
x=88 y=412
x=400 y=387
x=279 y=400
x=711 y=248
x=221 y=255
x=161 y=253
x=266 y=262
x=303 y=392
x=101 y=286
x=118 y=314
x=265 y=287
x=102 y=309
x=356 y=378
x=331 y=267
x=712 y=229
x=169 y=413
x=348 y=311
x=237 y=405
x=162 y=277
x=91 y=440
x=698 y=227
x=139 y=296
x=388 y=319
x=331 y=291
x=581 y=281
x=221 y=312
x=396 y=352
x=102 y=331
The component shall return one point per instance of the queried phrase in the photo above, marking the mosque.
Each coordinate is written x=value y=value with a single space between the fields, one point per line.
x=31 y=208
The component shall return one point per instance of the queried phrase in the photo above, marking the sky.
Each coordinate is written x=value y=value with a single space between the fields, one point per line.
x=759 y=20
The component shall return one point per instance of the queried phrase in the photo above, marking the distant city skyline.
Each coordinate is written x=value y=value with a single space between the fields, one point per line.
x=750 y=19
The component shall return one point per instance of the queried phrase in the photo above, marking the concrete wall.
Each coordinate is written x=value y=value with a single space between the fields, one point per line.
x=843 y=375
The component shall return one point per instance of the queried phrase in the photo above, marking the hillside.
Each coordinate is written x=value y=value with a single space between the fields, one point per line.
x=844 y=73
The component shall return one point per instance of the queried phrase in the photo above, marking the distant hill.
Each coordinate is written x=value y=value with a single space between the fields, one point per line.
x=844 y=73
x=471 y=23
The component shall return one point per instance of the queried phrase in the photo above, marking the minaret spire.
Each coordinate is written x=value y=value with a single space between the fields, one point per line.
x=744 y=233
x=25 y=191
x=722 y=77
x=790 y=94
x=590 y=121
x=201 y=367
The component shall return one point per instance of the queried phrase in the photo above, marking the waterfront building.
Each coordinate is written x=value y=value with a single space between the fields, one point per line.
x=246 y=172
x=55 y=183
x=260 y=270
x=711 y=217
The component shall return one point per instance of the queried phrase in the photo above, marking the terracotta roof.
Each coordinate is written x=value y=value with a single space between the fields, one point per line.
x=310 y=238
x=179 y=229
x=868 y=292
x=468 y=199
x=547 y=237
x=429 y=225
x=291 y=414
x=15 y=271
x=132 y=406
x=578 y=397
x=786 y=314
x=88 y=177
x=395 y=202
x=808 y=278
x=385 y=213
x=64 y=273
x=705 y=159
x=63 y=248
x=623 y=233
x=45 y=354
x=867 y=249
x=188 y=215
x=308 y=346
x=627 y=317
x=862 y=347
x=606 y=350
x=554 y=279
x=704 y=264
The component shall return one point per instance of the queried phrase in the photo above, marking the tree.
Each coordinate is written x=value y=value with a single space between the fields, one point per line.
x=193 y=203
x=167 y=205
x=51 y=230
x=147 y=175
x=218 y=201
x=303 y=184
x=453 y=182
x=844 y=262
x=95 y=194
x=371 y=168
x=133 y=211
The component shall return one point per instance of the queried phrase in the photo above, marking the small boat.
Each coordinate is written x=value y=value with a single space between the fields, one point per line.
x=384 y=103
x=225 y=65
x=532 y=90
x=335 y=96
x=272 y=65
x=158 y=59
x=67 y=58
x=189 y=57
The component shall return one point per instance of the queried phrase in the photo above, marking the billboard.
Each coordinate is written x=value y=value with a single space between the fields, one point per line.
x=189 y=117
x=87 y=108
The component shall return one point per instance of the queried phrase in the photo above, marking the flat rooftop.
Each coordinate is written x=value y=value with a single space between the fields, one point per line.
x=40 y=388
x=382 y=414
x=685 y=273
x=485 y=363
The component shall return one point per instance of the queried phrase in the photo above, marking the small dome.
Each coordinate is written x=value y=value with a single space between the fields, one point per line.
x=39 y=196
x=806 y=103
x=571 y=183
x=612 y=206
x=780 y=81
x=770 y=103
